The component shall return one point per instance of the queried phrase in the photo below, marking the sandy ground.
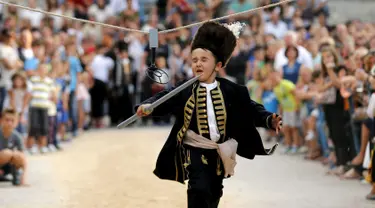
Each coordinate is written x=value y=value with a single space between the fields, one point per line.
x=113 y=168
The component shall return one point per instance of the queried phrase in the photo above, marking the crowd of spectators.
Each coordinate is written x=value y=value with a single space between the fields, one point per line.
x=61 y=77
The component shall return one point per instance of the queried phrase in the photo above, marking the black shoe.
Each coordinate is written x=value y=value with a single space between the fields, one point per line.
x=16 y=174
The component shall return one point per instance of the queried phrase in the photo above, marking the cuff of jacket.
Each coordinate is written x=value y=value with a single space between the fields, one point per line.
x=269 y=122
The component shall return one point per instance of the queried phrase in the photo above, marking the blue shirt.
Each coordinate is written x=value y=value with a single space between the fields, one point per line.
x=291 y=73
x=270 y=101
x=31 y=64
x=74 y=68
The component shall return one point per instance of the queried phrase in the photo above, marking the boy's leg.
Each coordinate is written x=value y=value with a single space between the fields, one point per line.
x=294 y=123
x=205 y=186
x=32 y=134
x=43 y=130
x=287 y=131
x=5 y=156
x=19 y=168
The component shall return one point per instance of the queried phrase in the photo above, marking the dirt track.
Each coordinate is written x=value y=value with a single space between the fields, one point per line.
x=113 y=168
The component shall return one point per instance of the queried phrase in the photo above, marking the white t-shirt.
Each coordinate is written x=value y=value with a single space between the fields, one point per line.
x=11 y=54
x=100 y=66
x=371 y=106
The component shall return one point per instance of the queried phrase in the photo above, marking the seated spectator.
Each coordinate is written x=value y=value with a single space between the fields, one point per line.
x=12 y=158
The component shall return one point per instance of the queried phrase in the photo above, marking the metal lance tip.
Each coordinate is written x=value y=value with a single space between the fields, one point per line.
x=154 y=73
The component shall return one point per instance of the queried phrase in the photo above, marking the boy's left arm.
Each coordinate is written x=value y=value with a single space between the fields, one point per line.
x=261 y=117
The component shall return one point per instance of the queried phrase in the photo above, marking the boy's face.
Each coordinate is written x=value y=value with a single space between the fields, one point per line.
x=9 y=121
x=274 y=78
x=204 y=62
x=43 y=70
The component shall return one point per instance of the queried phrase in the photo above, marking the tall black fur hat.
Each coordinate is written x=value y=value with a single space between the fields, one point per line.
x=218 y=39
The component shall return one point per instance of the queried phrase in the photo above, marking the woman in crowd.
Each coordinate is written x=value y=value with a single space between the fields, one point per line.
x=336 y=109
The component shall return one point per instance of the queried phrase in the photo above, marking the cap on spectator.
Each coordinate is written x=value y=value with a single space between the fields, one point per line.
x=209 y=35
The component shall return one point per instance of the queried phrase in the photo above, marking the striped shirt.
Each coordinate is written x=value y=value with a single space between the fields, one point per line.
x=41 y=90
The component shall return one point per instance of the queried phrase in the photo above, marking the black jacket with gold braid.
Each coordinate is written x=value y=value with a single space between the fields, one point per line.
x=236 y=115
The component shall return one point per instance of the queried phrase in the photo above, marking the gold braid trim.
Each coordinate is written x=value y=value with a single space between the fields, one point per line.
x=188 y=113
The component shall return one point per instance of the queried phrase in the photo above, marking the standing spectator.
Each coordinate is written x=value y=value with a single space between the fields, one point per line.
x=62 y=99
x=336 y=110
x=291 y=70
x=285 y=92
x=304 y=56
x=17 y=99
x=75 y=68
x=52 y=111
x=39 y=103
x=100 y=67
x=9 y=63
x=83 y=98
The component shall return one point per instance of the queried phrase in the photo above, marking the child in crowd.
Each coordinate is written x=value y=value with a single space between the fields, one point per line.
x=270 y=103
x=254 y=86
x=18 y=99
x=52 y=111
x=285 y=92
x=83 y=98
x=41 y=93
x=62 y=99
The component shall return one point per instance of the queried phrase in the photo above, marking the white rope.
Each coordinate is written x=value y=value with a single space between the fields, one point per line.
x=141 y=31
x=227 y=16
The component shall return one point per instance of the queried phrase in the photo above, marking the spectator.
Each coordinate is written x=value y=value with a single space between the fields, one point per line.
x=12 y=158
x=100 y=67
x=304 y=57
x=41 y=92
x=9 y=63
x=75 y=68
x=17 y=99
x=286 y=96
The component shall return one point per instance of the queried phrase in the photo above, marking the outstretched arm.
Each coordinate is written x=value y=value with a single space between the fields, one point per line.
x=261 y=117
x=165 y=108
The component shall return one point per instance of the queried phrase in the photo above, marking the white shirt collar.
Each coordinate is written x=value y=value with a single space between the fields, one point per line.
x=209 y=86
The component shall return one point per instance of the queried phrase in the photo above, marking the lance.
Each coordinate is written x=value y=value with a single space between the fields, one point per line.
x=160 y=101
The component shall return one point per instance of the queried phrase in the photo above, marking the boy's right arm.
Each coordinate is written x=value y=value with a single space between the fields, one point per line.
x=163 y=109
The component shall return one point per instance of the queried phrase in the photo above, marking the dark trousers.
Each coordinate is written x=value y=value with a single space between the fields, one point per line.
x=120 y=104
x=52 y=134
x=338 y=122
x=205 y=185
x=73 y=112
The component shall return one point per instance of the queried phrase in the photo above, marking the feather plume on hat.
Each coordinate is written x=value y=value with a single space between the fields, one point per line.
x=220 y=39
